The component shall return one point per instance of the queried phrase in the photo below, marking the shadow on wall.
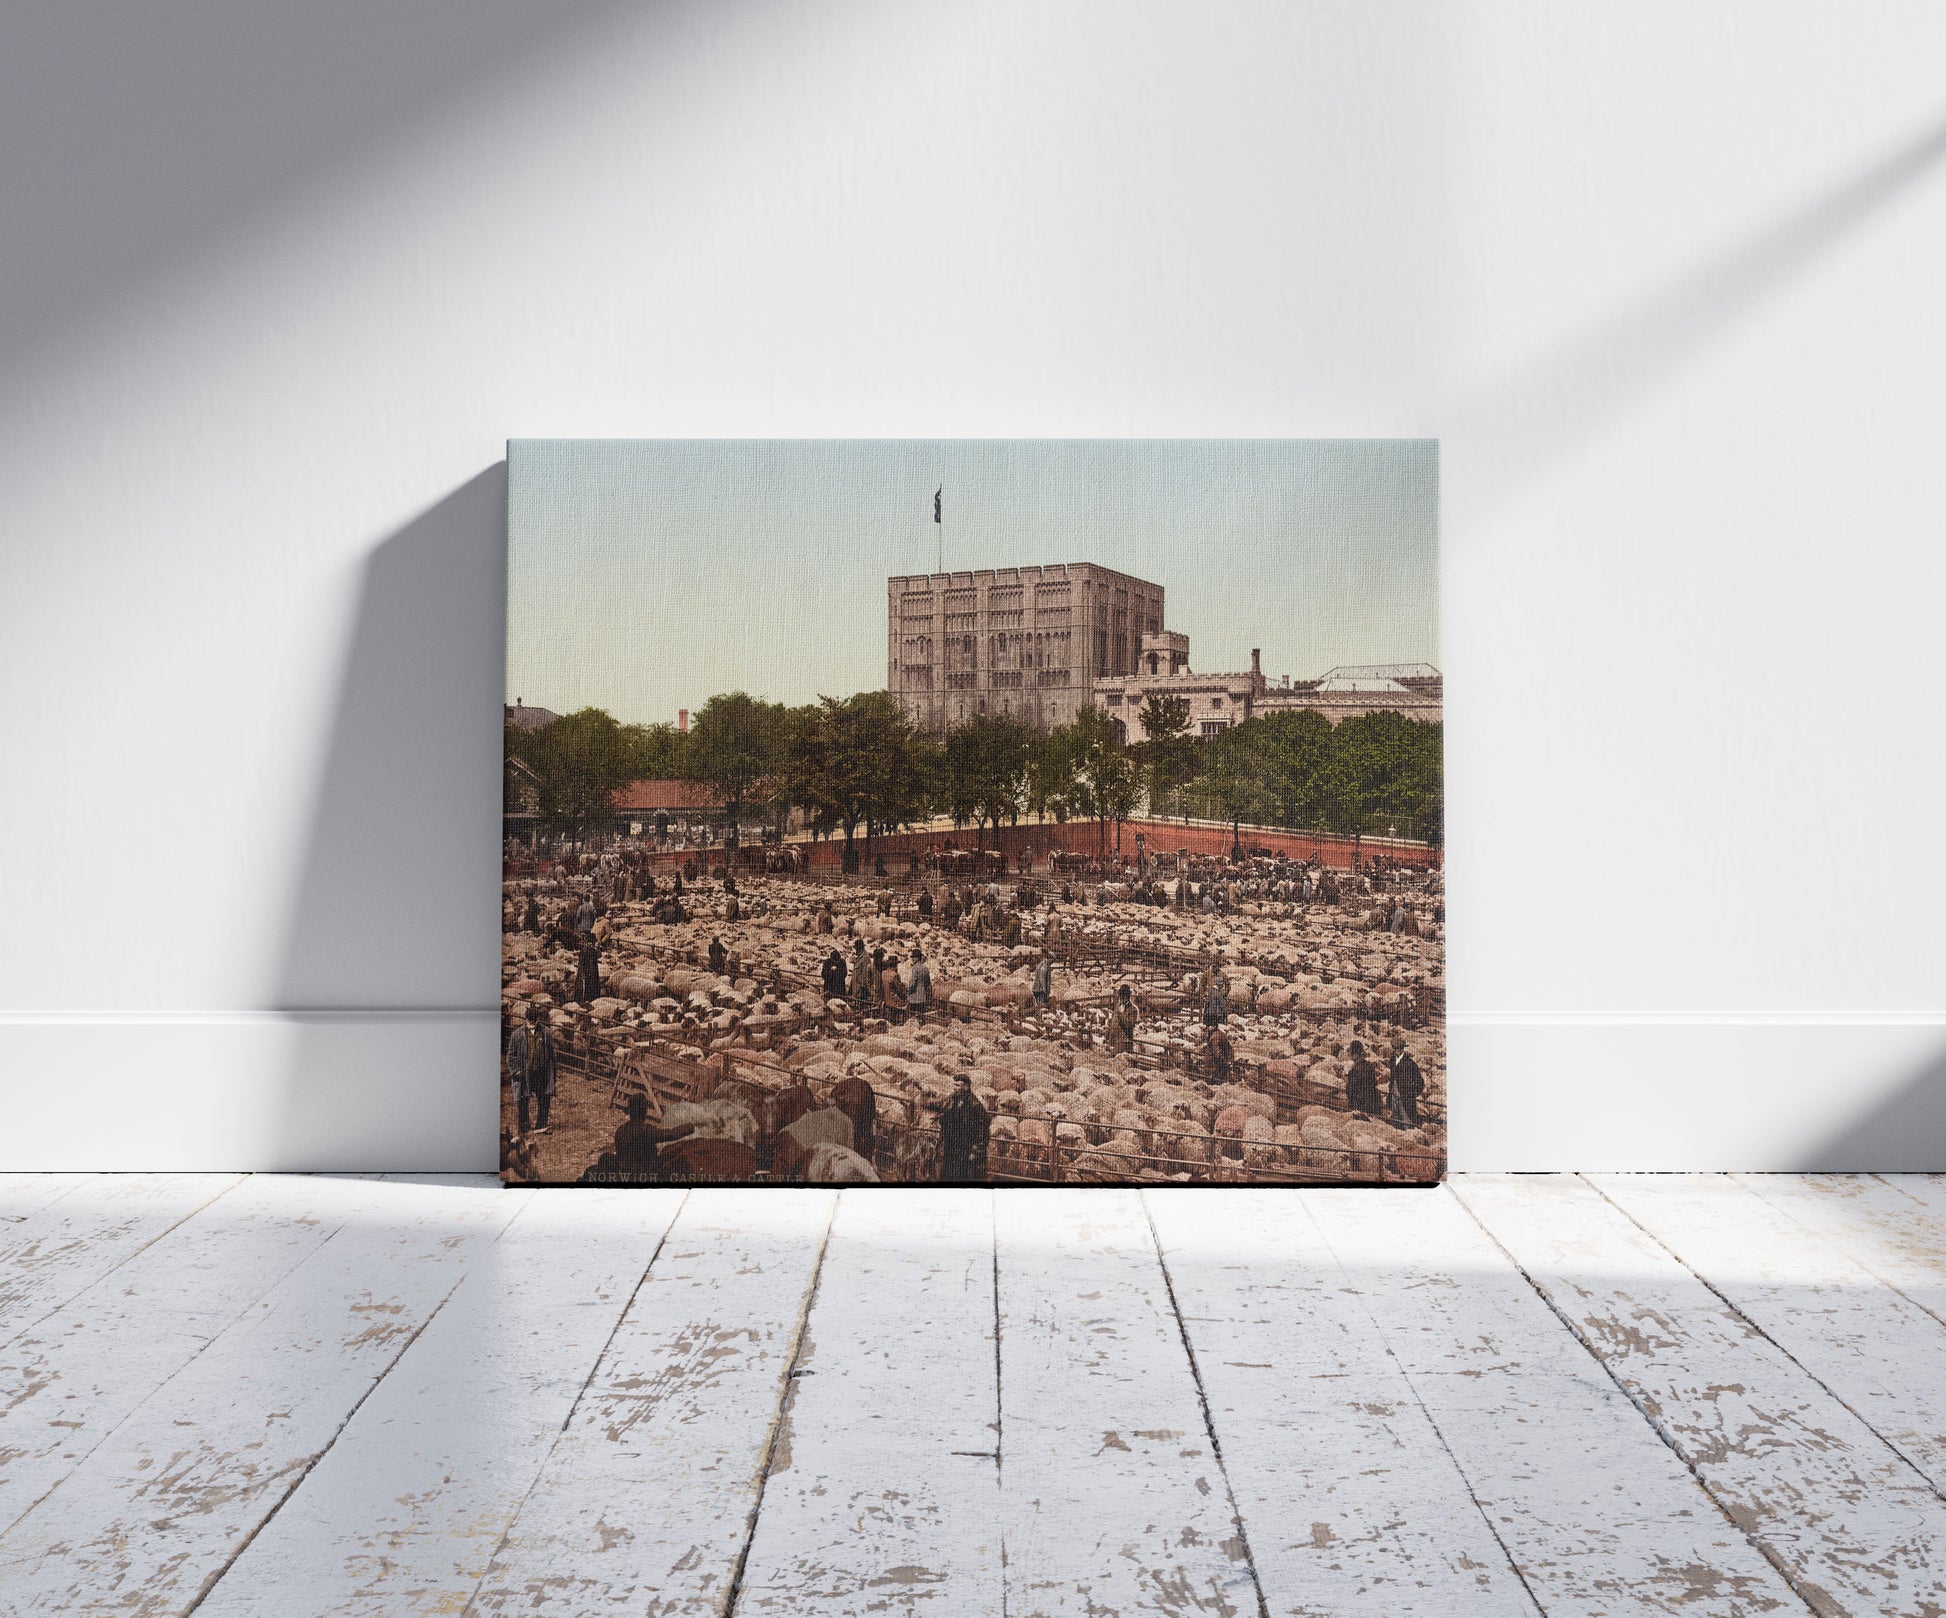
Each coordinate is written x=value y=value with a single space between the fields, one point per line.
x=1550 y=409
x=391 y=970
x=1904 y=1134
x=133 y=139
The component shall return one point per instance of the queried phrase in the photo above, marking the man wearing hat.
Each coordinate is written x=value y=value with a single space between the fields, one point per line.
x=530 y=1063
x=918 y=990
x=1121 y=1021
x=1405 y=1084
x=1043 y=981
x=963 y=1125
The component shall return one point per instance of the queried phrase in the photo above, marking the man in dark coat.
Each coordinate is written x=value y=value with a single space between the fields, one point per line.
x=637 y=1153
x=587 y=976
x=1122 y=1020
x=918 y=990
x=719 y=957
x=925 y=904
x=1405 y=1085
x=962 y=1136
x=833 y=973
x=530 y=1064
x=1216 y=1000
x=1361 y=1083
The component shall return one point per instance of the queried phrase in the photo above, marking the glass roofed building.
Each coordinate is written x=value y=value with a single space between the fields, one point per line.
x=1218 y=701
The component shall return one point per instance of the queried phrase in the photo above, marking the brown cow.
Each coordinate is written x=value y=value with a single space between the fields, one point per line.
x=708 y=1159
x=826 y=1127
x=856 y=1099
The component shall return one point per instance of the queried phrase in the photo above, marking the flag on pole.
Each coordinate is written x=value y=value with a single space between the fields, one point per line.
x=935 y=501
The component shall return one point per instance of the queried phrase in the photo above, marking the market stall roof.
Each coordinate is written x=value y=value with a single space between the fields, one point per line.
x=654 y=796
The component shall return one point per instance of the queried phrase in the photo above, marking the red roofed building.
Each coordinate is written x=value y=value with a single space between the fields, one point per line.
x=682 y=809
x=665 y=797
x=686 y=810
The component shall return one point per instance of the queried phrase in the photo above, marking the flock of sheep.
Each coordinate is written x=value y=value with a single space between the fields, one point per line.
x=1301 y=984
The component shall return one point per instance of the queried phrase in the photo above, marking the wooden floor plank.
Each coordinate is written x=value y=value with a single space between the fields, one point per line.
x=404 y=1513
x=155 y=1513
x=1351 y=1503
x=1876 y=1351
x=1926 y=1189
x=23 y=1194
x=645 y=1503
x=72 y=1378
x=1600 y=1517
x=63 y=1247
x=884 y=1492
x=1112 y=1498
x=1851 y=1523
x=1893 y=1224
x=245 y=1412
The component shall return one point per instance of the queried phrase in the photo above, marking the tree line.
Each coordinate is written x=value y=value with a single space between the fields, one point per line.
x=856 y=768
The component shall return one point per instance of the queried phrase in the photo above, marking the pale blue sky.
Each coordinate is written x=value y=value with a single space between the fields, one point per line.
x=645 y=575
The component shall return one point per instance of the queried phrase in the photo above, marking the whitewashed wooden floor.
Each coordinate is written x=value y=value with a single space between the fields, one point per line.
x=1560 y=1395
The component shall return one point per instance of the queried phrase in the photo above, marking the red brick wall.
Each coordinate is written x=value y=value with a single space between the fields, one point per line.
x=1164 y=838
x=1081 y=837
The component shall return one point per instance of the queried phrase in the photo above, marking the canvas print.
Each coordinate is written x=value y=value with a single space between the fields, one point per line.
x=973 y=812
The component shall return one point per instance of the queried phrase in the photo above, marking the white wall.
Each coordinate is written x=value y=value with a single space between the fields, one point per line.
x=279 y=281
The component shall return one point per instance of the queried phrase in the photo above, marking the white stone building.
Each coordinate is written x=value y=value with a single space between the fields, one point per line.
x=1219 y=701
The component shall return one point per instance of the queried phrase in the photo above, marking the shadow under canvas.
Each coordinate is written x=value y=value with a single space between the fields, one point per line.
x=390 y=973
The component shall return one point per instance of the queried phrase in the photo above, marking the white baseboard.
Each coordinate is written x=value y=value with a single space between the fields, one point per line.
x=1698 y=1093
x=416 y=1090
x=250 y=1090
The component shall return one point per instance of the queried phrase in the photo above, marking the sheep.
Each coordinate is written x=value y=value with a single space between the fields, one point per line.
x=829 y=1164
x=716 y=1119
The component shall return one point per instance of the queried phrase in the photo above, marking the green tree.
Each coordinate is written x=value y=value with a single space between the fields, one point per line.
x=1105 y=780
x=1167 y=755
x=578 y=764
x=1115 y=782
x=1390 y=768
x=1296 y=751
x=1053 y=769
x=657 y=752
x=735 y=743
x=789 y=785
x=986 y=769
x=860 y=763
x=1238 y=779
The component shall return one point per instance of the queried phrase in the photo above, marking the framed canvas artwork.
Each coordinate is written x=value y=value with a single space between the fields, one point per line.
x=983 y=811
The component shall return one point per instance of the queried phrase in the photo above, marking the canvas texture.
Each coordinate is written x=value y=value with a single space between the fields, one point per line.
x=973 y=812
